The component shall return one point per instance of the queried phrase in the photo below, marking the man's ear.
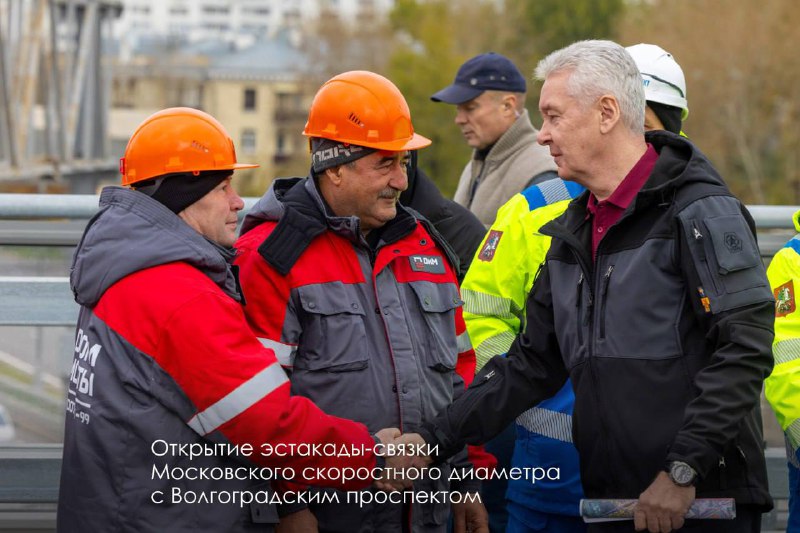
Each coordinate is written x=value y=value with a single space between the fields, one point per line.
x=608 y=107
x=334 y=174
x=509 y=103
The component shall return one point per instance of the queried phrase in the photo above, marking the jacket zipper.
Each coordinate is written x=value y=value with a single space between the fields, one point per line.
x=700 y=241
x=586 y=267
x=723 y=474
x=588 y=316
x=603 y=299
x=741 y=452
x=579 y=323
x=746 y=465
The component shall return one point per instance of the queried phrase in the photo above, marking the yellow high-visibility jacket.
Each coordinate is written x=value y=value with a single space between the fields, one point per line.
x=494 y=291
x=782 y=387
x=503 y=269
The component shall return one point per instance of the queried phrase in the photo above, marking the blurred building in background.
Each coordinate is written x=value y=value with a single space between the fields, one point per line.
x=202 y=19
x=256 y=89
x=78 y=76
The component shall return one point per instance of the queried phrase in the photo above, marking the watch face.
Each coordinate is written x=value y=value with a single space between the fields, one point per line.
x=681 y=473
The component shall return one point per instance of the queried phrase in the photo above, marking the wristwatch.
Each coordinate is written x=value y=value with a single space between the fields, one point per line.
x=681 y=473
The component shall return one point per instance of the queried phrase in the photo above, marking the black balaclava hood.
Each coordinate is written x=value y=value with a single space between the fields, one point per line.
x=670 y=116
x=180 y=190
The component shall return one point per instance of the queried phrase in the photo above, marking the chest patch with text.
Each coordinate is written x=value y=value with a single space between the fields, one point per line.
x=432 y=264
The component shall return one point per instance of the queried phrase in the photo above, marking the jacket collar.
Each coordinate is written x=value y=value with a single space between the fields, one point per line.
x=508 y=143
x=303 y=215
x=679 y=163
x=133 y=226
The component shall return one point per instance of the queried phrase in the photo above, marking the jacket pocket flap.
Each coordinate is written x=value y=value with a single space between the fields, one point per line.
x=330 y=299
x=734 y=246
x=436 y=297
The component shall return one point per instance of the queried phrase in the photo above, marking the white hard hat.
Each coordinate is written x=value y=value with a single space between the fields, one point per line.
x=662 y=76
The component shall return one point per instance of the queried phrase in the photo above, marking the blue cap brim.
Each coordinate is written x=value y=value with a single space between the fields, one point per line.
x=456 y=94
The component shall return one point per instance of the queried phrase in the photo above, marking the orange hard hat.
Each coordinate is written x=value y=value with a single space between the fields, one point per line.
x=365 y=109
x=177 y=139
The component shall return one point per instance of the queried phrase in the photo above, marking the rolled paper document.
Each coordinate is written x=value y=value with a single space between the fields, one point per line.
x=612 y=509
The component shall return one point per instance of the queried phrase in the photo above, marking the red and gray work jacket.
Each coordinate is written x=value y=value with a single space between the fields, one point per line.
x=372 y=332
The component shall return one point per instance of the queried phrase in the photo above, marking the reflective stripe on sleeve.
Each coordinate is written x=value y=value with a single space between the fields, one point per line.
x=793 y=434
x=786 y=350
x=548 y=423
x=284 y=352
x=237 y=401
x=554 y=191
x=480 y=303
x=494 y=345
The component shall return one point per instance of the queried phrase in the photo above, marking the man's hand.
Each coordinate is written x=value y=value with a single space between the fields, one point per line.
x=417 y=442
x=402 y=465
x=663 y=506
x=470 y=517
x=300 y=522
x=388 y=435
x=394 y=476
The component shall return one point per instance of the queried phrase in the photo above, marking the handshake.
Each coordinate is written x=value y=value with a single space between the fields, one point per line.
x=405 y=455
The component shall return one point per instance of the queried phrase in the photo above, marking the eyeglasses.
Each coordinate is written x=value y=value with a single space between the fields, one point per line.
x=662 y=80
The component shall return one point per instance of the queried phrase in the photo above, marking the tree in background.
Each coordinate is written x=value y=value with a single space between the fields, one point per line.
x=743 y=85
x=432 y=40
x=536 y=28
x=334 y=45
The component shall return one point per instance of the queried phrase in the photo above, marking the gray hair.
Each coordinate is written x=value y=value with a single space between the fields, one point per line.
x=598 y=68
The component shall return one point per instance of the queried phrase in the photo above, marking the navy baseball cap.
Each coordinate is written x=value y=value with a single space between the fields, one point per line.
x=485 y=72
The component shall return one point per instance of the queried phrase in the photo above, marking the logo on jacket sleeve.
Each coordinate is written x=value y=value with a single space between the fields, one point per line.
x=733 y=243
x=490 y=246
x=432 y=264
x=784 y=299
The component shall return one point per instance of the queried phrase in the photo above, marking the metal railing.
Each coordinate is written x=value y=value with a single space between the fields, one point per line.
x=29 y=480
x=52 y=219
x=73 y=210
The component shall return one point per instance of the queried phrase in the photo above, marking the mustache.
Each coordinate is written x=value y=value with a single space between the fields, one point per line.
x=389 y=194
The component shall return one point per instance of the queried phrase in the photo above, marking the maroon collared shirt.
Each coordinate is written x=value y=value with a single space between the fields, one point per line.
x=606 y=213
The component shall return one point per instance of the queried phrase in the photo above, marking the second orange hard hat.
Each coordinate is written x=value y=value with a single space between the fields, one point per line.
x=365 y=109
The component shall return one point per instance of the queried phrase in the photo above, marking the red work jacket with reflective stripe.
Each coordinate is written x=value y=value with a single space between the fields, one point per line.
x=168 y=383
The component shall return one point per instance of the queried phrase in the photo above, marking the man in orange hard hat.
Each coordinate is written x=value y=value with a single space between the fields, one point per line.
x=172 y=400
x=357 y=295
